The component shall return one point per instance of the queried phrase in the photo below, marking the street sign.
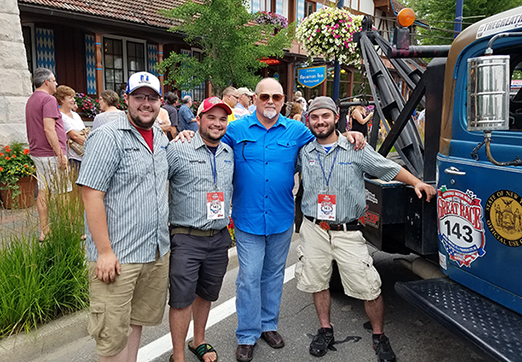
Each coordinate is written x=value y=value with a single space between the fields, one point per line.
x=312 y=76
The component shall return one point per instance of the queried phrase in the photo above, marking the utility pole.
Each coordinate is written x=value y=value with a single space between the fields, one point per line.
x=458 y=17
x=337 y=66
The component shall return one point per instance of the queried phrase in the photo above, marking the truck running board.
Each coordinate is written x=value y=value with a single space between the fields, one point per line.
x=495 y=330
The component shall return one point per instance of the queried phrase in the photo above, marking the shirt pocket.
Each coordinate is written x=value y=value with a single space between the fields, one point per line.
x=346 y=176
x=286 y=151
x=135 y=166
x=247 y=149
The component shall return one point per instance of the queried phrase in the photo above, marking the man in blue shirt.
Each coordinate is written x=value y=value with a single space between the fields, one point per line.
x=265 y=147
x=187 y=121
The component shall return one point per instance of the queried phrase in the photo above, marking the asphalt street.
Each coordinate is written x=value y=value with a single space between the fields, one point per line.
x=414 y=337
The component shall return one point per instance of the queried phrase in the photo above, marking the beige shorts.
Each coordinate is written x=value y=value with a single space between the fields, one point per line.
x=348 y=248
x=50 y=177
x=138 y=296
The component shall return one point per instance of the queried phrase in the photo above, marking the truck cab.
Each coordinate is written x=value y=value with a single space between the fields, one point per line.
x=479 y=204
x=471 y=153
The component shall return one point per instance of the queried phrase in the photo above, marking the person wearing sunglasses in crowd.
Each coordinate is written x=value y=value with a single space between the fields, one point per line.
x=265 y=147
x=231 y=98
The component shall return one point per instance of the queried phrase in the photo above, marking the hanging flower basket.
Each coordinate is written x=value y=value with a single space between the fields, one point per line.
x=328 y=33
x=265 y=17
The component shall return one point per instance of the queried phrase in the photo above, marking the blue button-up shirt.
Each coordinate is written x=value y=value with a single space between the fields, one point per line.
x=118 y=162
x=263 y=203
x=185 y=115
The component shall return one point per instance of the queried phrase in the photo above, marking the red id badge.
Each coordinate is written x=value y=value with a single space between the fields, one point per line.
x=326 y=207
x=215 y=205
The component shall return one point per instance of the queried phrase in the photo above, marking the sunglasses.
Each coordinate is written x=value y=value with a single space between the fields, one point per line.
x=263 y=97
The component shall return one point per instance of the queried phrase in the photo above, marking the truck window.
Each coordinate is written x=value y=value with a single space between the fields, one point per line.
x=515 y=103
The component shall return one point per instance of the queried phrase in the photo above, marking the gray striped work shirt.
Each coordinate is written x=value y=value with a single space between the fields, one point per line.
x=191 y=178
x=119 y=162
x=346 y=180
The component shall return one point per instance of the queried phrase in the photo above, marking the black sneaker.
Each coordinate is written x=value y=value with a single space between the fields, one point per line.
x=383 y=349
x=322 y=340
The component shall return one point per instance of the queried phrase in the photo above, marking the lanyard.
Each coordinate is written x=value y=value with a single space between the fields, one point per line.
x=213 y=166
x=322 y=168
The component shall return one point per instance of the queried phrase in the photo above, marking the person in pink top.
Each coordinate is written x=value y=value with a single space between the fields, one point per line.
x=47 y=140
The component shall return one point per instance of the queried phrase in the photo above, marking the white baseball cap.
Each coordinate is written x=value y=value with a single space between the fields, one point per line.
x=143 y=79
x=245 y=90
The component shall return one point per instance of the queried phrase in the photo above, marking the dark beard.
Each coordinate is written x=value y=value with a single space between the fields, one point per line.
x=139 y=123
x=329 y=131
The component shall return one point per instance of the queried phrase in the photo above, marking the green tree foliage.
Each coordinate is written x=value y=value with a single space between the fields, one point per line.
x=231 y=42
x=433 y=12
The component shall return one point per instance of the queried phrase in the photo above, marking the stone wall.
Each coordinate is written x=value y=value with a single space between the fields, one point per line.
x=15 y=87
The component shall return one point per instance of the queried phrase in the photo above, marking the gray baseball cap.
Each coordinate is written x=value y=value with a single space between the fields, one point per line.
x=323 y=103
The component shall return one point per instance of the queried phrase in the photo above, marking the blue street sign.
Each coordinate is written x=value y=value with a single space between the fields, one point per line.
x=312 y=76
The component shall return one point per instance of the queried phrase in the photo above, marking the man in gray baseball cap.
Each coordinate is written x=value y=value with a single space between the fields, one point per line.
x=323 y=103
x=333 y=201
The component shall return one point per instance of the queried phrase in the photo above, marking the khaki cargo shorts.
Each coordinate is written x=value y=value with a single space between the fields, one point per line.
x=319 y=248
x=138 y=296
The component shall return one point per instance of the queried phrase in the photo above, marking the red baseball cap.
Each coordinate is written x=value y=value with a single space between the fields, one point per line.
x=212 y=102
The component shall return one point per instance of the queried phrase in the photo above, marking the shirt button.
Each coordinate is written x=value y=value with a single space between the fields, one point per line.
x=266 y=180
x=266 y=197
x=266 y=146
x=266 y=163
x=266 y=212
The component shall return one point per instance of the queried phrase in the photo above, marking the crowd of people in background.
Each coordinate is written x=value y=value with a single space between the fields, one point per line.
x=141 y=243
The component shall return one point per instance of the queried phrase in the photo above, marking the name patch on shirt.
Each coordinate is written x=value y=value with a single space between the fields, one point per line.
x=131 y=149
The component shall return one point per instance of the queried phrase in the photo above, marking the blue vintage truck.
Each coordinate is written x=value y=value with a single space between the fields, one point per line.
x=471 y=153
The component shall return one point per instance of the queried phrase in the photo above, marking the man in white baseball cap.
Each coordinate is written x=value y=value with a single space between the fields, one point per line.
x=244 y=101
x=123 y=174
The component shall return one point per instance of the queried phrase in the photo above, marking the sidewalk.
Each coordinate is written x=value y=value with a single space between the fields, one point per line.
x=52 y=336
x=16 y=222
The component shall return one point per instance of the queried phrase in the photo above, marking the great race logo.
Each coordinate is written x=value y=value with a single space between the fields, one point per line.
x=461 y=230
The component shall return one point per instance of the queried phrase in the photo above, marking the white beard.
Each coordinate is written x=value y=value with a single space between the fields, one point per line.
x=270 y=113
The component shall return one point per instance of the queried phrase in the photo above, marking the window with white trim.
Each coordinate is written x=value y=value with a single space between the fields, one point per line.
x=122 y=57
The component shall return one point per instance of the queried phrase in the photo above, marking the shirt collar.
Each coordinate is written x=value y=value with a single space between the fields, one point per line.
x=124 y=123
x=342 y=142
x=281 y=120
x=198 y=143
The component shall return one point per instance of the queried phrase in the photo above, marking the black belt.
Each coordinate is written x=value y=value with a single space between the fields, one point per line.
x=325 y=225
x=191 y=231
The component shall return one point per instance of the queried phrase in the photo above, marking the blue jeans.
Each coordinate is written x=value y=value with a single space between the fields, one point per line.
x=259 y=282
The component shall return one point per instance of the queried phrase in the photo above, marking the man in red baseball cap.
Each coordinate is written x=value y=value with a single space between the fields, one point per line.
x=200 y=179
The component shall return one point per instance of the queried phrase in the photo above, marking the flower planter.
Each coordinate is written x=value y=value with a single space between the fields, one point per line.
x=27 y=186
